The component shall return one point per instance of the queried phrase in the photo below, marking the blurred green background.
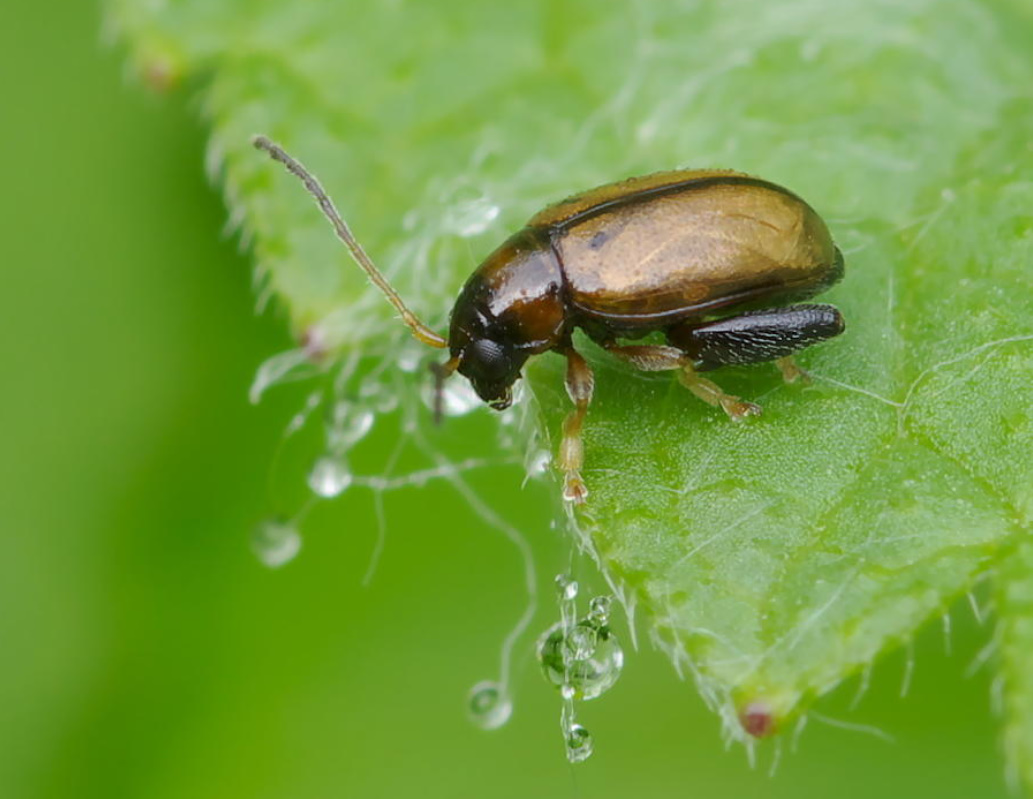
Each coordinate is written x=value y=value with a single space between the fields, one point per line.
x=145 y=651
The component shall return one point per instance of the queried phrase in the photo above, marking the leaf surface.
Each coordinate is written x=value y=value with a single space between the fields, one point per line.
x=774 y=557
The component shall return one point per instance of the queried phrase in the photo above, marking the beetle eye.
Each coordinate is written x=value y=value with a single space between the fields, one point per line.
x=491 y=357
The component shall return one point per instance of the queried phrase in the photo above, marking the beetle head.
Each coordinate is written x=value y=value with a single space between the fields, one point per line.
x=509 y=309
x=492 y=366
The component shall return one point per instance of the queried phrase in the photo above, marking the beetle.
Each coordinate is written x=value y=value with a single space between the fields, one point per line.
x=716 y=261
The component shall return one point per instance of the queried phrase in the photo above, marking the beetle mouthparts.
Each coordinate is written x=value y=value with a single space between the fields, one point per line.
x=503 y=402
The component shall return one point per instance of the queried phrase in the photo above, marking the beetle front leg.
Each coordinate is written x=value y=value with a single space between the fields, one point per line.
x=580 y=384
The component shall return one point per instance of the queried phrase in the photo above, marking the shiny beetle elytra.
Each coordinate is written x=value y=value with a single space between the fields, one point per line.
x=712 y=259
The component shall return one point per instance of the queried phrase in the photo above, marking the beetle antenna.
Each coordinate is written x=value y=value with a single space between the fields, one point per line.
x=326 y=205
x=441 y=372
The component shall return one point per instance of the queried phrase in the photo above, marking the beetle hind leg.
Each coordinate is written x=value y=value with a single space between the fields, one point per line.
x=659 y=358
x=707 y=390
x=791 y=371
x=773 y=334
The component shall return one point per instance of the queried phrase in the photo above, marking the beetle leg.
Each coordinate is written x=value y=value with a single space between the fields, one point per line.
x=707 y=390
x=659 y=359
x=580 y=383
x=772 y=334
x=791 y=371
x=648 y=358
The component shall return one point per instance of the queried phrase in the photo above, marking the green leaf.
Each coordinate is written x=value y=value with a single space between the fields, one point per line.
x=775 y=557
x=1015 y=604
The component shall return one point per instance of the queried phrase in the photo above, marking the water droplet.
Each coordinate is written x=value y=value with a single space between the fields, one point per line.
x=409 y=359
x=579 y=744
x=599 y=609
x=378 y=396
x=276 y=542
x=581 y=642
x=457 y=397
x=488 y=705
x=348 y=425
x=538 y=462
x=330 y=476
x=566 y=587
x=313 y=401
x=470 y=217
x=587 y=658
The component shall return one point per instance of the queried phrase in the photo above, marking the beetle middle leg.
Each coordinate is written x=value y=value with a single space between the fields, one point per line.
x=580 y=383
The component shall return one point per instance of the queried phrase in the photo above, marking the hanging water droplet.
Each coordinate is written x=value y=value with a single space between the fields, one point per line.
x=330 y=476
x=313 y=401
x=378 y=396
x=579 y=744
x=538 y=462
x=457 y=397
x=581 y=642
x=385 y=402
x=566 y=587
x=276 y=542
x=348 y=425
x=488 y=705
x=409 y=359
x=599 y=609
x=586 y=659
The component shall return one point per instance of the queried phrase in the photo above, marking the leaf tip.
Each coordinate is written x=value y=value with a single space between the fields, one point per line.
x=758 y=719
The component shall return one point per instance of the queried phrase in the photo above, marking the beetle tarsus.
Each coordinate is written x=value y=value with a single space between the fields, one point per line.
x=574 y=489
x=738 y=409
x=707 y=390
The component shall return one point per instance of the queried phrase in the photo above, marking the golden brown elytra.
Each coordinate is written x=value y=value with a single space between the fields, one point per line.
x=715 y=260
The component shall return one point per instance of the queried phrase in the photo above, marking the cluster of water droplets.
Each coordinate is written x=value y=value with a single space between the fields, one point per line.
x=347 y=424
x=583 y=658
x=348 y=417
x=349 y=405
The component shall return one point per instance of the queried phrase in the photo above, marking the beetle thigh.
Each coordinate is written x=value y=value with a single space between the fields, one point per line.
x=756 y=336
